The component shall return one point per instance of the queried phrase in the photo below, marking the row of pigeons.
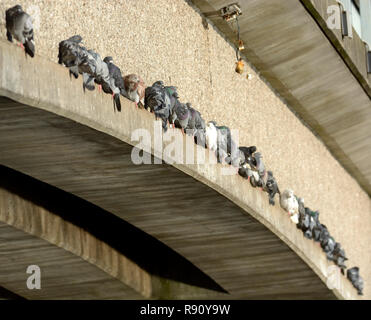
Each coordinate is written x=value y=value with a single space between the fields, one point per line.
x=164 y=102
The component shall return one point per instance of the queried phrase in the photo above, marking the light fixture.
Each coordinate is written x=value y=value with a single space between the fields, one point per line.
x=230 y=12
x=240 y=66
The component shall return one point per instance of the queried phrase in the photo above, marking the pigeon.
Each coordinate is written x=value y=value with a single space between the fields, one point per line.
x=290 y=204
x=338 y=256
x=211 y=136
x=180 y=115
x=135 y=88
x=95 y=67
x=115 y=74
x=328 y=246
x=310 y=222
x=223 y=134
x=303 y=218
x=247 y=153
x=161 y=100
x=200 y=137
x=257 y=165
x=71 y=54
x=271 y=187
x=235 y=156
x=245 y=171
x=195 y=122
x=317 y=231
x=19 y=25
x=356 y=280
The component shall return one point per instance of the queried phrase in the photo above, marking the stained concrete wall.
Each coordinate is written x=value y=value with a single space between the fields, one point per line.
x=161 y=39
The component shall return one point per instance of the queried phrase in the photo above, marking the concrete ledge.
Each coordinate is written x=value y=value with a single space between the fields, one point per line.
x=45 y=85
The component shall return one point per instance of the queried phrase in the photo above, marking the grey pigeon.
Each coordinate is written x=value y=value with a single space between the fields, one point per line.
x=257 y=165
x=328 y=246
x=223 y=134
x=115 y=74
x=303 y=218
x=95 y=67
x=161 y=100
x=271 y=187
x=195 y=122
x=338 y=256
x=19 y=25
x=180 y=115
x=356 y=280
x=311 y=219
x=71 y=54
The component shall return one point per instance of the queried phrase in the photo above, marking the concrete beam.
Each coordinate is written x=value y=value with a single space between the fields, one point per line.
x=49 y=89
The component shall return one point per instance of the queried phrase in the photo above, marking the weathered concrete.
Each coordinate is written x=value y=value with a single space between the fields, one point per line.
x=50 y=89
x=81 y=250
x=169 y=42
x=286 y=45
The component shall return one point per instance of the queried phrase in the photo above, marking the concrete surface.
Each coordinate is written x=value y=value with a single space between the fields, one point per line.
x=50 y=89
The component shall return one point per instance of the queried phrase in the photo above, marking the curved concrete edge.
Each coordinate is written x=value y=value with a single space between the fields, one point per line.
x=37 y=221
x=45 y=85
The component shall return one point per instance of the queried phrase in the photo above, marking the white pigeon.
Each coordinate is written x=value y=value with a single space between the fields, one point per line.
x=211 y=136
x=290 y=204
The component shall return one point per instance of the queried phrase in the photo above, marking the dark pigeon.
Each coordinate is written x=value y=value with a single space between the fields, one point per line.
x=195 y=122
x=303 y=223
x=161 y=100
x=257 y=165
x=338 y=256
x=115 y=74
x=356 y=280
x=247 y=153
x=180 y=115
x=312 y=223
x=19 y=25
x=271 y=187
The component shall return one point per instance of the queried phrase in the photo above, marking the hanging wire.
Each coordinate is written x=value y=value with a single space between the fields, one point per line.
x=238 y=38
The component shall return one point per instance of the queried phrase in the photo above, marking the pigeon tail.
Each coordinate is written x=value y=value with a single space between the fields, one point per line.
x=29 y=48
x=9 y=36
x=74 y=71
x=116 y=97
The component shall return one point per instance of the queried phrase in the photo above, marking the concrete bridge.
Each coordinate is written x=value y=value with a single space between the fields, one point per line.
x=72 y=202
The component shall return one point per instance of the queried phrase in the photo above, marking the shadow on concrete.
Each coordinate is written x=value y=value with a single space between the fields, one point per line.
x=143 y=249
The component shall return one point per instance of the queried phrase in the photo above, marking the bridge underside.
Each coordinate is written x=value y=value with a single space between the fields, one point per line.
x=239 y=253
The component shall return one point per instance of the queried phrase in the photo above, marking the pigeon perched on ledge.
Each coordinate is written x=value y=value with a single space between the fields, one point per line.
x=134 y=88
x=271 y=187
x=195 y=122
x=180 y=115
x=258 y=166
x=245 y=171
x=161 y=100
x=94 y=66
x=115 y=74
x=71 y=54
x=211 y=136
x=356 y=280
x=247 y=154
x=19 y=25
x=290 y=204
